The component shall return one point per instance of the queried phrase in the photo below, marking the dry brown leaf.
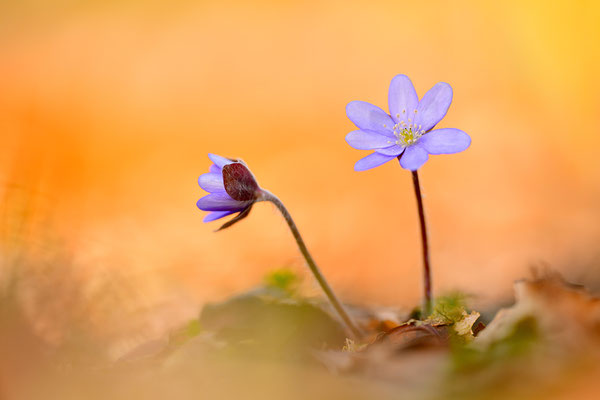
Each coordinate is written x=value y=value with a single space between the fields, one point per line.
x=567 y=316
x=464 y=327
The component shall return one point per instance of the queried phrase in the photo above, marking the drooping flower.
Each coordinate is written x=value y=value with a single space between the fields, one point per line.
x=232 y=189
x=407 y=131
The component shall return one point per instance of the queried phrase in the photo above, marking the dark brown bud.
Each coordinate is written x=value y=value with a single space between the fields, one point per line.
x=239 y=182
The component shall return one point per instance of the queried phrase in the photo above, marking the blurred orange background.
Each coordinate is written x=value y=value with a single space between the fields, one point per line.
x=108 y=109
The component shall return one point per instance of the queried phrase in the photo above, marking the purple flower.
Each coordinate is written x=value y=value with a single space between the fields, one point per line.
x=405 y=133
x=232 y=189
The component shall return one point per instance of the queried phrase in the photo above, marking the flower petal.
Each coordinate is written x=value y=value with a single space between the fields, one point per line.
x=219 y=161
x=445 y=141
x=393 y=150
x=413 y=157
x=212 y=216
x=215 y=170
x=220 y=202
x=371 y=161
x=369 y=117
x=367 y=140
x=211 y=182
x=433 y=106
x=402 y=98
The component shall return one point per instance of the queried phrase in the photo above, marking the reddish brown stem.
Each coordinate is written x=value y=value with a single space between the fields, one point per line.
x=424 y=241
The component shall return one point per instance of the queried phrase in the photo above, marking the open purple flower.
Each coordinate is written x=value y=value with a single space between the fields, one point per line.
x=407 y=132
x=232 y=189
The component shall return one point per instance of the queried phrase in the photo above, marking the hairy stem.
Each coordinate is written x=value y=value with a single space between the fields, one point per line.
x=312 y=265
x=424 y=241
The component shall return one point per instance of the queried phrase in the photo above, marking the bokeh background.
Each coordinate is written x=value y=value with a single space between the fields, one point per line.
x=108 y=109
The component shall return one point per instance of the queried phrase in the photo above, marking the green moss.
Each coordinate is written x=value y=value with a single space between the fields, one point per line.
x=193 y=328
x=190 y=330
x=449 y=309
x=518 y=342
x=283 y=279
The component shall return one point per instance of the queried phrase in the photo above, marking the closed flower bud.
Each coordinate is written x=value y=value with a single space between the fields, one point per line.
x=232 y=189
x=239 y=182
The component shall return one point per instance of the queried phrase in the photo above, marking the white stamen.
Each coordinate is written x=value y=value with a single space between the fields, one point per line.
x=407 y=135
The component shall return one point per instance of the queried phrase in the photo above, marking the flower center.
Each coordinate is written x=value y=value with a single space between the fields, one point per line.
x=407 y=134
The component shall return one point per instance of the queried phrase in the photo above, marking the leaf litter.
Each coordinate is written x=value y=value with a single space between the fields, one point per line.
x=261 y=344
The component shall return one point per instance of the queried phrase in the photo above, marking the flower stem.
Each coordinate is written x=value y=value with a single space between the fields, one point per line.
x=312 y=265
x=424 y=241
